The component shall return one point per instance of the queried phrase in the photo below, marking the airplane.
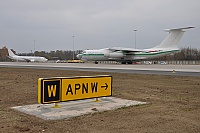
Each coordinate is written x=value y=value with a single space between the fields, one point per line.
x=12 y=56
x=129 y=55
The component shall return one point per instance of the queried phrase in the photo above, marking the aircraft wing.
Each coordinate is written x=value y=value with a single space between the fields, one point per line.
x=126 y=50
x=27 y=60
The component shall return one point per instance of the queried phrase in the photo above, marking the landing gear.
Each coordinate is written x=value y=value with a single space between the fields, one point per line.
x=96 y=62
x=129 y=62
x=126 y=62
x=123 y=62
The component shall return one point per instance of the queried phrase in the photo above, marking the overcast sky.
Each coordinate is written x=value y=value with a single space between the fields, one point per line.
x=95 y=23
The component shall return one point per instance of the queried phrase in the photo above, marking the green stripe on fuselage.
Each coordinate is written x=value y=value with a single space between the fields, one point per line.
x=92 y=54
x=152 y=54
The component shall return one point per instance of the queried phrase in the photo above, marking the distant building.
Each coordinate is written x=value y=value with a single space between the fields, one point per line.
x=3 y=54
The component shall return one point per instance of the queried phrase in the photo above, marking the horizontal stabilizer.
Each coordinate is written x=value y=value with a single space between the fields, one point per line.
x=184 y=28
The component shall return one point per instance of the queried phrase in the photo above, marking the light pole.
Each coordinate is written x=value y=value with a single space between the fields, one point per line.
x=135 y=37
x=34 y=47
x=73 y=47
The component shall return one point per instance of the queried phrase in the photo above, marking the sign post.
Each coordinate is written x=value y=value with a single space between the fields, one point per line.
x=54 y=90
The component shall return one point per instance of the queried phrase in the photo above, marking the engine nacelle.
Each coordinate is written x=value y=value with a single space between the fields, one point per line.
x=114 y=55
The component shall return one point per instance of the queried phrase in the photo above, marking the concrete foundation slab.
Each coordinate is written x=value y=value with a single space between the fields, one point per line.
x=75 y=108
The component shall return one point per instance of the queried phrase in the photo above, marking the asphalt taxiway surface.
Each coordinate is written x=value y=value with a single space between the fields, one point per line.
x=178 y=70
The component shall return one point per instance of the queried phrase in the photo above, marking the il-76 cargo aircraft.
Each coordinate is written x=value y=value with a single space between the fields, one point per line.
x=128 y=55
x=12 y=56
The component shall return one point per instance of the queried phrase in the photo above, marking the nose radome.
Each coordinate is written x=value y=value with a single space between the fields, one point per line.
x=78 y=56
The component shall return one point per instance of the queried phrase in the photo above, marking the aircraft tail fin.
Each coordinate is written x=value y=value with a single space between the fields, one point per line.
x=10 y=53
x=173 y=38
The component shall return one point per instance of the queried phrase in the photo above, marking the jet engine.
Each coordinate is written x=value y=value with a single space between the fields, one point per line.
x=114 y=55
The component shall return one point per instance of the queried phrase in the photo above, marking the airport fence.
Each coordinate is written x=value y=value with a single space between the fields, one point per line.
x=183 y=62
x=180 y=62
x=172 y=62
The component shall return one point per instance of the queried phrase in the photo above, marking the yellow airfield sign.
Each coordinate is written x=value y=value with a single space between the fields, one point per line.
x=54 y=90
x=85 y=87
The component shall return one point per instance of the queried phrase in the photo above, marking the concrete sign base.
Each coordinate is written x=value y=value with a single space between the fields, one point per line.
x=66 y=110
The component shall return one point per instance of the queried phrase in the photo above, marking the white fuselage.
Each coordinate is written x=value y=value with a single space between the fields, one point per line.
x=167 y=46
x=28 y=58
x=106 y=55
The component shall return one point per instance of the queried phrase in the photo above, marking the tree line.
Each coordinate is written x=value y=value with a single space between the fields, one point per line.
x=187 y=53
x=184 y=54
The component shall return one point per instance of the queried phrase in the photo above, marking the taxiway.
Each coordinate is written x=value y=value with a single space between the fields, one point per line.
x=179 y=70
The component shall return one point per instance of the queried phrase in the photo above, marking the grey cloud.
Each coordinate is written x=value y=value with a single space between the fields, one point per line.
x=94 y=23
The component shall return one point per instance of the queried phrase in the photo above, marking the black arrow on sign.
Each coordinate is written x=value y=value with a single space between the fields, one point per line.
x=106 y=86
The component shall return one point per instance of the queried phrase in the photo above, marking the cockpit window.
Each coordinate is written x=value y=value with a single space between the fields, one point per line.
x=84 y=52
